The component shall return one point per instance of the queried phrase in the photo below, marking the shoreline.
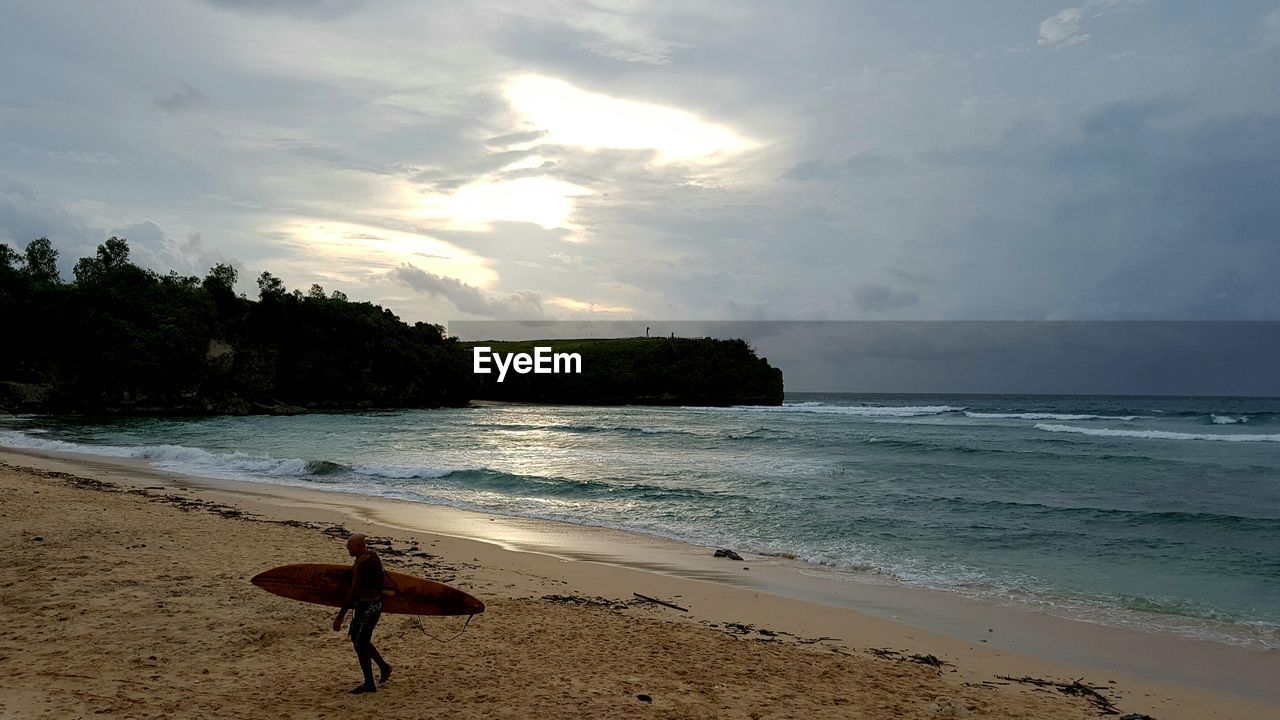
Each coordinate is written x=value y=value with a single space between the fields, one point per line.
x=1084 y=610
x=1177 y=674
x=948 y=610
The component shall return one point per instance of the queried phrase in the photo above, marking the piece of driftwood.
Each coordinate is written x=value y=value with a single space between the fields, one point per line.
x=584 y=601
x=1075 y=687
x=811 y=641
x=673 y=606
x=932 y=661
x=927 y=659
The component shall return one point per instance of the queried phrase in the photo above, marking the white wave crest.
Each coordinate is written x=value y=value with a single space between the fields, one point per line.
x=24 y=441
x=852 y=410
x=177 y=458
x=1050 y=416
x=1228 y=420
x=1157 y=434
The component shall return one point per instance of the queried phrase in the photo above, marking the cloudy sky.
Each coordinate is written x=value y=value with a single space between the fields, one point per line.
x=1023 y=159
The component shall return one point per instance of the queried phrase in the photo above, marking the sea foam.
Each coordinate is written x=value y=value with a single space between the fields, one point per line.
x=1156 y=434
x=1050 y=416
x=871 y=411
x=178 y=458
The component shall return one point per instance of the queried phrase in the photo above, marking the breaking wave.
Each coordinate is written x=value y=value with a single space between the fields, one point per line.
x=1156 y=434
x=1050 y=416
x=871 y=411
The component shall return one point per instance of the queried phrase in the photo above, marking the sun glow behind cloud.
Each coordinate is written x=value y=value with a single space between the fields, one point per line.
x=579 y=306
x=543 y=201
x=576 y=117
x=531 y=162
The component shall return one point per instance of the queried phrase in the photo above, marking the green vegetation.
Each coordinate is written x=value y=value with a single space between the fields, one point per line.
x=642 y=371
x=121 y=338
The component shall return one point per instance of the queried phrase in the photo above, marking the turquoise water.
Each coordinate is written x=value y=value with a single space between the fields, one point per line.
x=1162 y=513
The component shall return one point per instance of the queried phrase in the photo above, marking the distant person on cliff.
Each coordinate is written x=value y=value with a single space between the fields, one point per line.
x=365 y=599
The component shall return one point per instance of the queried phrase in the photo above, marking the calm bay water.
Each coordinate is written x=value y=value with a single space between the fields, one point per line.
x=1162 y=513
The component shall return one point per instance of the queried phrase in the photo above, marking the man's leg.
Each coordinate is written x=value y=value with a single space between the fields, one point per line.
x=375 y=614
x=384 y=668
x=361 y=630
x=366 y=667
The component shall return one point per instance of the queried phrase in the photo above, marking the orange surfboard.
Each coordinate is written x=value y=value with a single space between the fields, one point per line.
x=326 y=584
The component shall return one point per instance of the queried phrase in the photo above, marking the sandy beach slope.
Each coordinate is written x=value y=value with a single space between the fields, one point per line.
x=131 y=599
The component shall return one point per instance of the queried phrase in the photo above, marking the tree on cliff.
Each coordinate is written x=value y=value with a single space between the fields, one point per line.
x=42 y=261
x=123 y=337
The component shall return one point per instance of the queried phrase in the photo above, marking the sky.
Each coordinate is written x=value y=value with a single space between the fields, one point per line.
x=619 y=160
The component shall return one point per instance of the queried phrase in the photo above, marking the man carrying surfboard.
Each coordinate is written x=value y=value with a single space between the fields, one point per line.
x=365 y=599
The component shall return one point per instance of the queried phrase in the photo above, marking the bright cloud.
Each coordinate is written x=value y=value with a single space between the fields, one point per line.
x=543 y=201
x=531 y=162
x=587 y=307
x=1063 y=29
x=573 y=116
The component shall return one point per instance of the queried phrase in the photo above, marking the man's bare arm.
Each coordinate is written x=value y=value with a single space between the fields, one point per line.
x=352 y=594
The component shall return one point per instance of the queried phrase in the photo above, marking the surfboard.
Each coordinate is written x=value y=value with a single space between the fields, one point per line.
x=326 y=584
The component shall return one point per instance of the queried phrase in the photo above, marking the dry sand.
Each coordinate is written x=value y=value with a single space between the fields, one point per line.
x=135 y=603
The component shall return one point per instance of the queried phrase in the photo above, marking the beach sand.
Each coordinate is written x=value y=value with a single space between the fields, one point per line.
x=135 y=602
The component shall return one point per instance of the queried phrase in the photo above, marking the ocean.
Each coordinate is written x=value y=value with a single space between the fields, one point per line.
x=1159 y=513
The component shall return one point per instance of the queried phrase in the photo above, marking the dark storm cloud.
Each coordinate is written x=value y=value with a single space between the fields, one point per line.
x=1150 y=208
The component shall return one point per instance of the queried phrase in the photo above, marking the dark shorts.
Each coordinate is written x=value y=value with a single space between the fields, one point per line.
x=364 y=618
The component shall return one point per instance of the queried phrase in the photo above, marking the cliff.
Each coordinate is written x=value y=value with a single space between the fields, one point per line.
x=122 y=339
x=641 y=371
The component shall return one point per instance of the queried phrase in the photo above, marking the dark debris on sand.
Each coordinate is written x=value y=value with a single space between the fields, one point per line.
x=1076 y=687
x=412 y=557
x=932 y=661
x=752 y=632
x=586 y=601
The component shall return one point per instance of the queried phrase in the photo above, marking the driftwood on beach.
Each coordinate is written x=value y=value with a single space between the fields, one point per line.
x=1075 y=687
x=673 y=606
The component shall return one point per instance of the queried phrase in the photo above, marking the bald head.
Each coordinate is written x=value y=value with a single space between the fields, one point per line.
x=355 y=545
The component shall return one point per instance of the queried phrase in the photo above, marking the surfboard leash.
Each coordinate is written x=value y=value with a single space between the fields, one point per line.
x=417 y=617
x=417 y=621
